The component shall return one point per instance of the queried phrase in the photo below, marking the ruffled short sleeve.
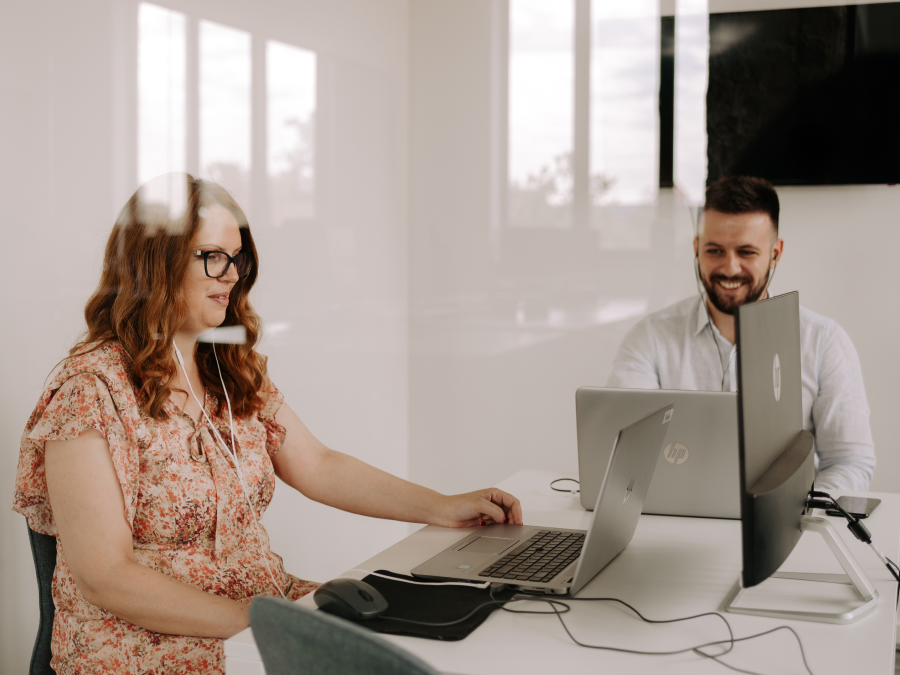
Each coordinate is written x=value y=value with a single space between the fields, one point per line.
x=79 y=403
x=275 y=433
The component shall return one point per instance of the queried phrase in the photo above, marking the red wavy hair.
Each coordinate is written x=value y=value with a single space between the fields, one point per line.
x=139 y=302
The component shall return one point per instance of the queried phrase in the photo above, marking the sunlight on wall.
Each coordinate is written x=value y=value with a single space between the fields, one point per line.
x=161 y=93
x=290 y=109
x=225 y=93
x=221 y=104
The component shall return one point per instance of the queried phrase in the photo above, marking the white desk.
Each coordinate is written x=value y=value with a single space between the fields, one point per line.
x=673 y=567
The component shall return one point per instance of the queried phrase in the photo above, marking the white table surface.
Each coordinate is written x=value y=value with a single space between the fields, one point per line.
x=673 y=567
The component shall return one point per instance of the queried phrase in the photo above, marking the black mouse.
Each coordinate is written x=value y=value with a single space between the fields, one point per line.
x=350 y=599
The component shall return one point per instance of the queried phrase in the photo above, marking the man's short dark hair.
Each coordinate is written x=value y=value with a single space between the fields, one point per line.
x=743 y=194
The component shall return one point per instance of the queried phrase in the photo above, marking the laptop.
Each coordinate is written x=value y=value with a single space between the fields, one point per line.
x=557 y=560
x=697 y=474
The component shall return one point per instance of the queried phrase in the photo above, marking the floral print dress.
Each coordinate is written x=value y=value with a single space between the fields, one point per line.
x=183 y=500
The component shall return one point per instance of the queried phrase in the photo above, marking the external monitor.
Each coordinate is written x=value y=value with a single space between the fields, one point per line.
x=777 y=469
x=770 y=416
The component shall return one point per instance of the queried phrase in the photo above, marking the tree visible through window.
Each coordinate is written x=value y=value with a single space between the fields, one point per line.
x=610 y=77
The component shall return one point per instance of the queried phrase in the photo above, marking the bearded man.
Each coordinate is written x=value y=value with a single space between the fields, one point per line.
x=690 y=345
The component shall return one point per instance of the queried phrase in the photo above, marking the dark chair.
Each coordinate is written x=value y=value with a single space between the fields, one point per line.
x=43 y=550
x=294 y=639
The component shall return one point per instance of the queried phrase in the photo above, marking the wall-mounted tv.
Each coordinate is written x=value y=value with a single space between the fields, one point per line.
x=806 y=96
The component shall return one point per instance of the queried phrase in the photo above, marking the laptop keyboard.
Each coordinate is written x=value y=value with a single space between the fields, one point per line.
x=544 y=556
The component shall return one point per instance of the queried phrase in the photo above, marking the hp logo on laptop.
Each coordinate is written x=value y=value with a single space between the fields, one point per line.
x=676 y=453
x=776 y=378
x=628 y=491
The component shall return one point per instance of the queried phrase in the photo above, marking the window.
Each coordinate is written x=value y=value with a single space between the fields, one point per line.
x=691 y=80
x=161 y=92
x=624 y=121
x=541 y=113
x=585 y=103
x=225 y=108
x=229 y=115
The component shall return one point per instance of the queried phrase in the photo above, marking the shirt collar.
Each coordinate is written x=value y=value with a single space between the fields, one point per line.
x=704 y=321
x=702 y=316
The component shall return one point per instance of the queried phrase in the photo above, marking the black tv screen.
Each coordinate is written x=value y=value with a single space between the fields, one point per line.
x=806 y=96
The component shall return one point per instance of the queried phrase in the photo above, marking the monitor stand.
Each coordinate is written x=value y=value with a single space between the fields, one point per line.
x=854 y=577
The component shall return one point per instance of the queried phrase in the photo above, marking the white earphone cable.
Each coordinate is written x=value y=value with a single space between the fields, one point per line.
x=695 y=218
x=726 y=366
x=231 y=451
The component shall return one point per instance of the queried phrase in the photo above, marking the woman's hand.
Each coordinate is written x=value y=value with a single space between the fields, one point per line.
x=477 y=508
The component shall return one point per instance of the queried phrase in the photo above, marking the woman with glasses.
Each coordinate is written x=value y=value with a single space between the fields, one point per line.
x=151 y=456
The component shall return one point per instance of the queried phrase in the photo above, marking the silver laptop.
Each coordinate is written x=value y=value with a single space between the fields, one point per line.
x=556 y=560
x=697 y=473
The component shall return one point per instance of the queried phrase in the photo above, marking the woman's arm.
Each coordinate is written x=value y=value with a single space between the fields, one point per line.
x=88 y=508
x=345 y=482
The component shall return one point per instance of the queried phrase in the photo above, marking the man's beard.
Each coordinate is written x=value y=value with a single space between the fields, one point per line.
x=728 y=305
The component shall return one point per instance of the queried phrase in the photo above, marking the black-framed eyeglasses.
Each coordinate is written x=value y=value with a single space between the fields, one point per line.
x=216 y=263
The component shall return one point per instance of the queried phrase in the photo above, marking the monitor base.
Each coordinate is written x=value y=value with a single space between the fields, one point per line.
x=855 y=577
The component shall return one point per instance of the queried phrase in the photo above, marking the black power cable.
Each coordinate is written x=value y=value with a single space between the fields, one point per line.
x=559 y=480
x=698 y=649
x=822 y=500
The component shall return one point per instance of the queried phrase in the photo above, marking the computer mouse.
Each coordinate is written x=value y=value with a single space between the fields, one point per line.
x=350 y=599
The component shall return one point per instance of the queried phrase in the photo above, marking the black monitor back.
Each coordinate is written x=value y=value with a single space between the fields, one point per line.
x=776 y=455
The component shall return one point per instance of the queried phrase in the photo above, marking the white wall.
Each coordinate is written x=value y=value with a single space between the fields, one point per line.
x=67 y=133
x=838 y=255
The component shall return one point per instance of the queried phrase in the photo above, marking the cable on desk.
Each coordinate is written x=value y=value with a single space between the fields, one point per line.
x=716 y=658
x=823 y=500
x=573 y=491
x=730 y=642
x=555 y=605
x=640 y=616
x=815 y=499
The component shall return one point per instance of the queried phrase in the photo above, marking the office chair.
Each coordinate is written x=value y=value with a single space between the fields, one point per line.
x=43 y=550
x=294 y=639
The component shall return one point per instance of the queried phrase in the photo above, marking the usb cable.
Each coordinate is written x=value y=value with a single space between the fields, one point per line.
x=822 y=500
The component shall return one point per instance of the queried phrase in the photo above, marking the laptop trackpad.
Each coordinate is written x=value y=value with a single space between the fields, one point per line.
x=488 y=545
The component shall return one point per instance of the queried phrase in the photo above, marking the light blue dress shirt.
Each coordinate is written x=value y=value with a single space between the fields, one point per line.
x=679 y=348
